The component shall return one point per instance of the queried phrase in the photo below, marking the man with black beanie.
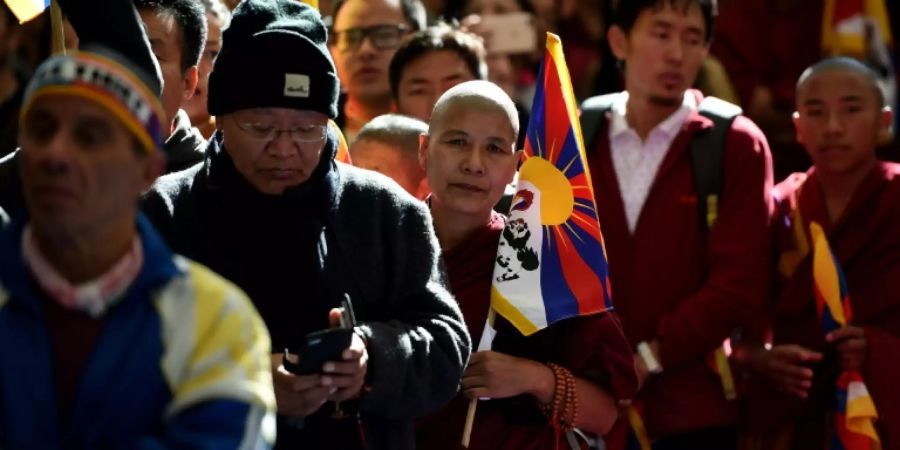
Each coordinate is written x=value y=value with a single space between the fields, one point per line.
x=272 y=211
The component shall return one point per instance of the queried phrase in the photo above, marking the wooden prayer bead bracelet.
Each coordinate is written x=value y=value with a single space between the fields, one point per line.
x=562 y=411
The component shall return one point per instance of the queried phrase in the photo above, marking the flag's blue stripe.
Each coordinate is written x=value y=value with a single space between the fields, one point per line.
x=568 y=153
x=836 y=443
x=536 y=124
x=559 y=301
x=590 y=251
x=588 y=211
x=841 y=396
x=828 y=322
x=840 y=274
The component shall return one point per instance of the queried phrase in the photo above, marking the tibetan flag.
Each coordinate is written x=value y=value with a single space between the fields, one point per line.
x=852 y=27
x=861 y=29
x=551 y=261
x=343 y=151
x=856 y=414
x=26 y=10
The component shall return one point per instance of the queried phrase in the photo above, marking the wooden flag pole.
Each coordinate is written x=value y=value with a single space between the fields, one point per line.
x=487 y=341
x=470 y=419
x=58 y=35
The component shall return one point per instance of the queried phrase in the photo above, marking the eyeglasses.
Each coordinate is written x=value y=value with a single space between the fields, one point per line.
x=383 y=37
x=267 y=132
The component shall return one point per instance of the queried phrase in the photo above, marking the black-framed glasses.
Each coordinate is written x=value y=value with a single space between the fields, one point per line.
x=268 y=132
x=383 y=37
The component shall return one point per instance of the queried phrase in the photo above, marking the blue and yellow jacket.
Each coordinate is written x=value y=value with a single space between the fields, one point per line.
x=182 y=362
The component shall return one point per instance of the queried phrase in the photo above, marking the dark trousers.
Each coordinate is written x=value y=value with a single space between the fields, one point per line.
x=722 y=438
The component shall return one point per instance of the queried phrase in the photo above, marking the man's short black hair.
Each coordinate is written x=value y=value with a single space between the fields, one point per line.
x=191 y=19
x=413 y=12
x=626 y=12
x=438 y=37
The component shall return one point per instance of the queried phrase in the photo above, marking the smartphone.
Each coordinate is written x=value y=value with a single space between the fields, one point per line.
x=510 y=33
x=319 y=348
x=324 y=345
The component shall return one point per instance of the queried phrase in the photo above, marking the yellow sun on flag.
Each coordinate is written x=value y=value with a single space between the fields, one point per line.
x=553 y=184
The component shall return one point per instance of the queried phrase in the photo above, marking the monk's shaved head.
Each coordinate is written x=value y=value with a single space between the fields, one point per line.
x=845 y=64
x=477 y=94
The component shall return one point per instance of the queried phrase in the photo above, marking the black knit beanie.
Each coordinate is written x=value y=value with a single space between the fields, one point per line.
x=274 y=54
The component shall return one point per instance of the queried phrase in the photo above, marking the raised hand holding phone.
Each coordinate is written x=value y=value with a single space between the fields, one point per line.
x=348 y=374
x=334 y=360
x=296 y=395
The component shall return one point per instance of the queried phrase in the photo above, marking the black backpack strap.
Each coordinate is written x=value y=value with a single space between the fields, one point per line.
x=593 y=118
x=707 y=153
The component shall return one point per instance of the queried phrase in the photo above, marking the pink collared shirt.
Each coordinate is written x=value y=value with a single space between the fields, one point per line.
x=93 y=297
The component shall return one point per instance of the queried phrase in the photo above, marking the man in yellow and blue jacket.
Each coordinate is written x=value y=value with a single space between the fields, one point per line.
x=107 y=339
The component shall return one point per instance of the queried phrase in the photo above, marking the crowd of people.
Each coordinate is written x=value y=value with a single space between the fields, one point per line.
x=184 y=262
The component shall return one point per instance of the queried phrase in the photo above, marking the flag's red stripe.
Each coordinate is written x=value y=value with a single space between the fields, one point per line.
x=581 y=279
x=556 y=117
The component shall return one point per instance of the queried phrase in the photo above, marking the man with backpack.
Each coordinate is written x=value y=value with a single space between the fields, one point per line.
x=683 y=187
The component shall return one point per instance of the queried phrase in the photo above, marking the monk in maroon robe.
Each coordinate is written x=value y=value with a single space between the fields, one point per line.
x=841 y=117
x=469 y=155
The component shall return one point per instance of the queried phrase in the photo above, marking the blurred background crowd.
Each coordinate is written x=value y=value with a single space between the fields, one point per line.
x=758 y=51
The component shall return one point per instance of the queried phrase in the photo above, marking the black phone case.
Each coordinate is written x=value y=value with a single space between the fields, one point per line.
x=320 y=347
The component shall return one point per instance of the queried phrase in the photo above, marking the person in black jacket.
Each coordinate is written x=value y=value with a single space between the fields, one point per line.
x=273 y=212
x=177 y=31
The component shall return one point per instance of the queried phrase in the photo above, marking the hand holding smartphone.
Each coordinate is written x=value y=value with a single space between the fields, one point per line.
x=319 y=348
x=325 y=345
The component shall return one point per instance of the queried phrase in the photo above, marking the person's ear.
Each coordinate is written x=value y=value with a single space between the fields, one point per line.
x=423 y=150
x=515 y=163
x=424 y=189
x=618 y=42
x=886 y=125
x=190 y=79
x=520 y=158
x=798 y=129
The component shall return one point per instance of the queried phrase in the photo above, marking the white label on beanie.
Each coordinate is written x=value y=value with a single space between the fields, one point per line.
x=296 y=85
